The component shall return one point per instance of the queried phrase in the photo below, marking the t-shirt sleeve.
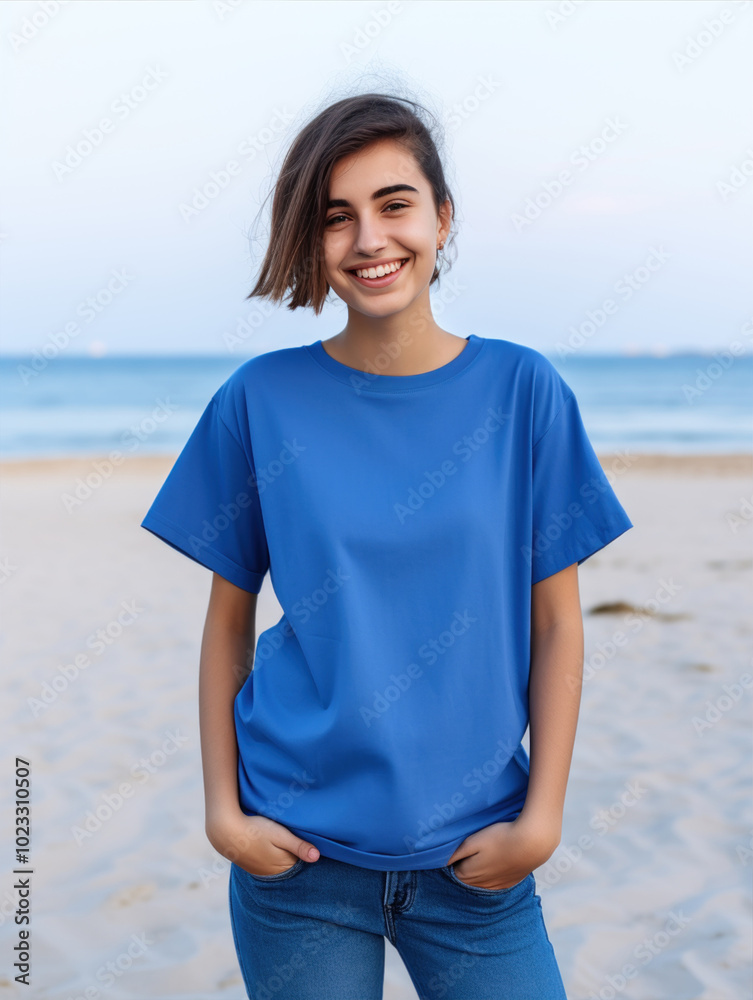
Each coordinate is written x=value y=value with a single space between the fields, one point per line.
x=575 y=509
x=208 y=507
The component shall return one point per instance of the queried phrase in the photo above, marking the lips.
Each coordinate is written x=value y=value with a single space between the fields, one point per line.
x=378 y=282
x=391 y=265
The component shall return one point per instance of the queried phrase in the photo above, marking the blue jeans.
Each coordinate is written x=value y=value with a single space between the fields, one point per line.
x=316 y=932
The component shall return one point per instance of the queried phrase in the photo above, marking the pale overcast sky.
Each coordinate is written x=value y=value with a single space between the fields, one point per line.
x=656 y=217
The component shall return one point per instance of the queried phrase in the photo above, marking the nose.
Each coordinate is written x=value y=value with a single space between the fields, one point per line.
x=369 y=238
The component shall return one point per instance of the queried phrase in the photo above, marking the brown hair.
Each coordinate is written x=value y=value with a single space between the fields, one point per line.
x=293 y=260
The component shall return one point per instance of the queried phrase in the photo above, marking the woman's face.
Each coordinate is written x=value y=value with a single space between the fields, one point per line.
x=381 y=209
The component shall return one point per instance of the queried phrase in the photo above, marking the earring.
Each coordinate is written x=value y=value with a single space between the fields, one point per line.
x=440 y=259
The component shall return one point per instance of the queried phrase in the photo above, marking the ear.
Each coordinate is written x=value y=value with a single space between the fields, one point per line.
x=444 y=221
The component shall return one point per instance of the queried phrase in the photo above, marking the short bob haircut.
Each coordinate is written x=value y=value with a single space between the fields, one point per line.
x=293 y=260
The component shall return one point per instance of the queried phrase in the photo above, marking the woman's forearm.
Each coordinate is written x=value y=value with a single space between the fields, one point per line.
x=554 y=693
x=222 y=672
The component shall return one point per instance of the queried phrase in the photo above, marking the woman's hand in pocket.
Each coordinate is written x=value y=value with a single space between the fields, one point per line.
x=503 y=854
x=258 y=844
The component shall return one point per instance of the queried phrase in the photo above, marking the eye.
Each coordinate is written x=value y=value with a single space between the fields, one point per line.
x=394 y=204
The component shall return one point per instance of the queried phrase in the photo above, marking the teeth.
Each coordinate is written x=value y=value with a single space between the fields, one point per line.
x=380 y=271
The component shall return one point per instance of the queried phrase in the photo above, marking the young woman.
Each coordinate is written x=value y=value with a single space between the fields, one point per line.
x=422 y=502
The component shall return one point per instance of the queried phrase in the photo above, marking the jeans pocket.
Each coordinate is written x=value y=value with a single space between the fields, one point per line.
x=276 y=877
x=449 y=870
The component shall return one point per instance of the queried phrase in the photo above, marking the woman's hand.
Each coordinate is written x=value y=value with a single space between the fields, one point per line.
x=258 y=844
x=503 y=854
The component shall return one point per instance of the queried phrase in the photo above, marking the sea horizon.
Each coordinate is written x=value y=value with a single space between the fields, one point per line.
x=681 y=402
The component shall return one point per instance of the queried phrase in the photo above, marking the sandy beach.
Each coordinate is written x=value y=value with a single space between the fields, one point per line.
x=648 y=896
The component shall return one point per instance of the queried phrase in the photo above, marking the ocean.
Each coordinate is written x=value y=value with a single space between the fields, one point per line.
x=86 y=406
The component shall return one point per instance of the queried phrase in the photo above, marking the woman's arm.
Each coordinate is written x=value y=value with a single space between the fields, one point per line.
x=226 y=651
x=554 y=693
x=257 y=843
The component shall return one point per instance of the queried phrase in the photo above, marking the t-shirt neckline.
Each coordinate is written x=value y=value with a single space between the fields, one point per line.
x=371 y=382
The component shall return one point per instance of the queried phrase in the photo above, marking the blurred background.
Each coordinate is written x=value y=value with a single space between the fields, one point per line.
x=601 y=158
x=142 y=140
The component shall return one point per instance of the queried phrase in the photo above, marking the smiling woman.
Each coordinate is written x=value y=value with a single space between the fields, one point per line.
x=382 y=242
x=423 y=533
x=377 y=135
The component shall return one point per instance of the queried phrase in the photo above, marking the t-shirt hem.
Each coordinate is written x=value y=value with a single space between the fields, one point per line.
x=208 y=557
x=434 y=857
x=579 y=549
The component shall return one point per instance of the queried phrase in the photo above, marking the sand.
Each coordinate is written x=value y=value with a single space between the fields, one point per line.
x=649 y=894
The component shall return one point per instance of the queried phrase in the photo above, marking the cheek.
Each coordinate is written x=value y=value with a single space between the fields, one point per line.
x=417 y=235
x=332 y=256
x=327 y=255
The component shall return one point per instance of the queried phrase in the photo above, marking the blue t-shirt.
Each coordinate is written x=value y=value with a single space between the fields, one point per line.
x=403 y=520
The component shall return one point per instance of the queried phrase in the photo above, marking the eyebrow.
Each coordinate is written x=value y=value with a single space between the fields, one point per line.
x=381 y=193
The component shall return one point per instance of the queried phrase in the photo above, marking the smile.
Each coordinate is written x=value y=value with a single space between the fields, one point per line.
x=378 y=277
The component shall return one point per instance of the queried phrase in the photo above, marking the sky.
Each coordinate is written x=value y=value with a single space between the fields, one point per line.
x=600 y=155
